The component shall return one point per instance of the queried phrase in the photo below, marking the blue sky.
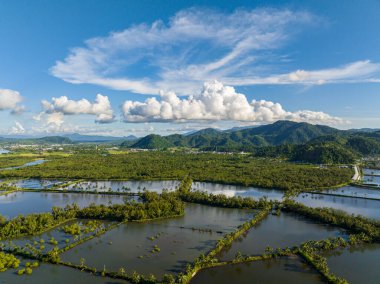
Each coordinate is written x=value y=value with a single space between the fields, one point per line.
x=174 y=66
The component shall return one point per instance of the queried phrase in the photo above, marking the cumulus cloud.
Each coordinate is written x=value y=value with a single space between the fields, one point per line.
x=58 y=107
x=216 y=102
x=10 y=100
x=18 y=128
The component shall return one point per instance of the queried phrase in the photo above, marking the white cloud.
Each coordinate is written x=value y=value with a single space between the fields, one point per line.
x=360 y=71
x=198 y=45
x=61 y=106
x=18 y=128
x=194 y=46
x=10 y=100
x=216 y=102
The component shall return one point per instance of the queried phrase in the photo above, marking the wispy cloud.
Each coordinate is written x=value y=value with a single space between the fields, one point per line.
x=194 y=46
x=10 y=100
x=360 y=71
x=217 y=102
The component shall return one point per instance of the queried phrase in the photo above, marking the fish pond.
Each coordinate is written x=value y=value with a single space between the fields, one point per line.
x=36 y=183
x=24 y=202
x=285 y=230
x=354 y=191
x=49 y=273
x=359 y=265
x=286 y=270
x=358 y=206
x=235 y=190
x=159 y=247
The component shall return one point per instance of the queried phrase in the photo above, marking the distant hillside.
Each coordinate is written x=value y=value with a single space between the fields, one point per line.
x=38 y=141
x=290 y=140
x=75 y=137
x=53 y=140
x=278 y=133
x=152 y=142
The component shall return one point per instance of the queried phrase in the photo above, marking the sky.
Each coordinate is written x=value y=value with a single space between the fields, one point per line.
x=140 y=67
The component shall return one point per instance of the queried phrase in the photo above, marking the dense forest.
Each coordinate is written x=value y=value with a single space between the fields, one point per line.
x=221 y=168
x=294 y=141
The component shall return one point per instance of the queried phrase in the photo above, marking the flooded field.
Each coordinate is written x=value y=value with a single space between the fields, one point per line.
x=286 y=270
x=371 y=179
x=355 y=191
x=159 y=247
x=357 y=266
x=365 y=207
x=56 y=237
x=49 y=273
x=35 y=183
x=124 y=186
x=235 y=190
x=286 y=230
x=34 y=163
x=19 y=202
x=371 y=172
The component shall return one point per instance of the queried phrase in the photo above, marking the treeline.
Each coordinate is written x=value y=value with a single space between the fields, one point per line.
x=155 y=206
x=208 y=167
x=7 y=161
x=354 y=224
x=35 y=223
x=221 y=200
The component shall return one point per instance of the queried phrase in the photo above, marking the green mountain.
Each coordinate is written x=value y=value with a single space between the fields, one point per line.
x=42 y=140
x=152 y=141
x=285 y=139
x=278 y=133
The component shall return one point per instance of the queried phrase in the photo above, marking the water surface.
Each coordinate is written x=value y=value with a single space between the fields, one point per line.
x=34 y=163
x=286 y=270
x=180 y=240
x=36 y=183
x=124 y=186
x=236 y=190
x=371 y=172
x=4 y=151
x=371 y=179
x=63 y=239
x=286 y=230
x=20 y=202
x=355 y=191
x=57 y=274
x=351 y=205
x=357 y=266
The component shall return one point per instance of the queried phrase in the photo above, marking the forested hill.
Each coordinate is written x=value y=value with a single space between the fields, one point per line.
x=278 y=133
x=42 y=140
x=284 y=139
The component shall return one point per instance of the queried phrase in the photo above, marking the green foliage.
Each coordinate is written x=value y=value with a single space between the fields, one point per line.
x=280 y=132
x=8 y=261
x=221 y=168
x=364 y=145
x=355 y=224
